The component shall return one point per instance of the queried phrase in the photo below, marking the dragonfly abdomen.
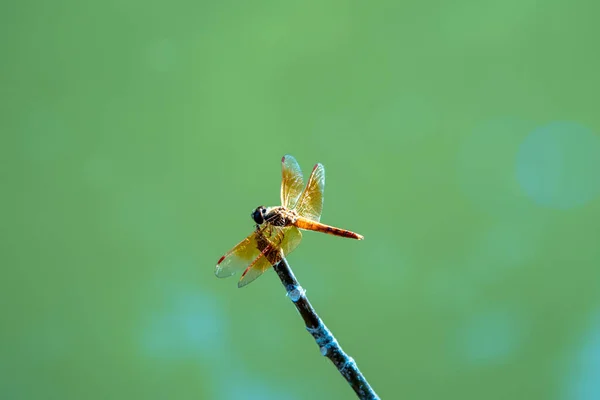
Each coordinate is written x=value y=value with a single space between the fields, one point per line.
x=304 y=223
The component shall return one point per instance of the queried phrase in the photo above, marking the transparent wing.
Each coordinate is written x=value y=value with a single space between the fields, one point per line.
x=258 y=267
x=310 y=204
x=238 y=258
x=292 y=181
x=276 y=242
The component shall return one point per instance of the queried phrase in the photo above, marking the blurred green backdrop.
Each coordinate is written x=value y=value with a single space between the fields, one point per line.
x=461 y=138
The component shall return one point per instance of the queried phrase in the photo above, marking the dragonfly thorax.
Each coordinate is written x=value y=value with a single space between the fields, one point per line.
x=276 y=216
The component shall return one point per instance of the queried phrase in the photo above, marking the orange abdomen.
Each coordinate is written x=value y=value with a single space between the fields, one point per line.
x=310 y=225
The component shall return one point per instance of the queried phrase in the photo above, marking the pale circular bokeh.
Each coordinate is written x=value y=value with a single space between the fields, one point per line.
x=558 y=165
x=491 y=337
x=583 y=381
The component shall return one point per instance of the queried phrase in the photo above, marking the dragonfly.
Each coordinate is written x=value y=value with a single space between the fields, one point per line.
x=278 y=229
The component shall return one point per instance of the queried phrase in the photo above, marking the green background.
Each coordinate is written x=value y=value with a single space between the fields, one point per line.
x=460 y=138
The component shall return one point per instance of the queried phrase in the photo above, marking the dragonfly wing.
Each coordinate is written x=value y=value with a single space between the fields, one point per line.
x=292 y=181
x=310 y=204
x=256 y=269
x=292 y=239
x=238 y=258
x=276 y=242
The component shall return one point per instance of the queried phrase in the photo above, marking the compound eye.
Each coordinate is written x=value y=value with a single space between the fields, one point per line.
x=257 y=216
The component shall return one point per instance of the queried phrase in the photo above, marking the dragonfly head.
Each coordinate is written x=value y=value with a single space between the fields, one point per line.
x=258 y=215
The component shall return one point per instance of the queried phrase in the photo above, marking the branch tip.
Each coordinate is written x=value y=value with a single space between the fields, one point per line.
x=328 y=344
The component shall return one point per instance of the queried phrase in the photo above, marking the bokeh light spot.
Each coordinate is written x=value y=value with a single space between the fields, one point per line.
x=490 y=337
x=584 y=384
x=192 y=327
x=558 y=165
x=252 y=388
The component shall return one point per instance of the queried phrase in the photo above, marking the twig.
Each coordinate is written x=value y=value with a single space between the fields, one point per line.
x=327 y=343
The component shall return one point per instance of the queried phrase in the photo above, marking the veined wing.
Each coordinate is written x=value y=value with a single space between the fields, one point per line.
x=310 y=204
x=275 y=242
x=292 y=181
x=238 y=258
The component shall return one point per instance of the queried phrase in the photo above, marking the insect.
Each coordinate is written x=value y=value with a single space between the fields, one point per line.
x=277 y=231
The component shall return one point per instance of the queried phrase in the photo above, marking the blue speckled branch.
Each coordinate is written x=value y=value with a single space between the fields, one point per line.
x=327 y=343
